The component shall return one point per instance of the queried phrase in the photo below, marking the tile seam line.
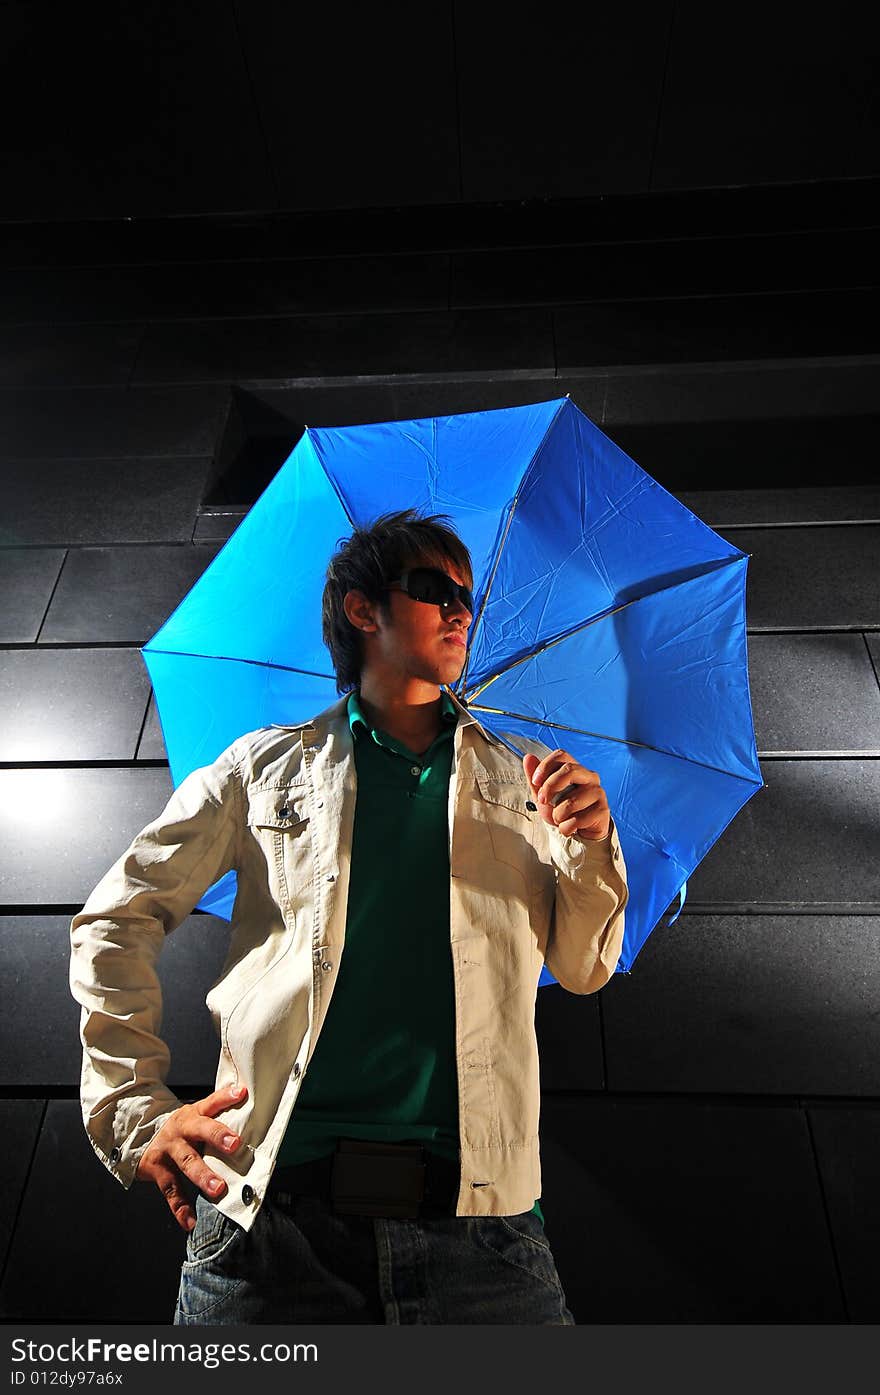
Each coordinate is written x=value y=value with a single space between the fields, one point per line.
x=826 y=1211
x=27 y=1177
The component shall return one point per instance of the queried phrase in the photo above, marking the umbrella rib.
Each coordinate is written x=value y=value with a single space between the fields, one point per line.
x=330 y=480
x=479 y=617
x=601 y=736
x=231 y=659
x=533 y=653
x=585 y=624
x=500 y=552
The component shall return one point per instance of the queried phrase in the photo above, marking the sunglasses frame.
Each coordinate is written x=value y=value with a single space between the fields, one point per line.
x=460 y=592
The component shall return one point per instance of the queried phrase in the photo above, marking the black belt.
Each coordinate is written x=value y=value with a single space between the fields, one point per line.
x=366 y=1178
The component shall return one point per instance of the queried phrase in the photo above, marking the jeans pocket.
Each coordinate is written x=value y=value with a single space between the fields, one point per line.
x=215 y=1268
x=211 y=1237
x=526 y=1226
x=520 y=1242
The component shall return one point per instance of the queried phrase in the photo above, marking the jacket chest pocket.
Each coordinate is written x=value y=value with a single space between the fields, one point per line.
x=496 y=848
x=279 y=821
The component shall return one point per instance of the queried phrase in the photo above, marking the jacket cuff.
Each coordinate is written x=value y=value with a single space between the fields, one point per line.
x=572 y=854
x=123 y=1158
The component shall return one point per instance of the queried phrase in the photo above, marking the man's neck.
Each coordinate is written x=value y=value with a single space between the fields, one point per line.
x=411 y=716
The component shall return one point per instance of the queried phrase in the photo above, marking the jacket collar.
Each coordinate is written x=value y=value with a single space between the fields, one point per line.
x=334 y=721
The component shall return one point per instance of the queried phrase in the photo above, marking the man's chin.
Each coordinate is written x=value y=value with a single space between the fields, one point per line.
x=444 y=674
x=455 y=667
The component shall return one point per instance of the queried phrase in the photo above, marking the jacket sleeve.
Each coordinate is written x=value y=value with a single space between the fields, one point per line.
x=587 y=924
x=115 y=942
x=587 y=919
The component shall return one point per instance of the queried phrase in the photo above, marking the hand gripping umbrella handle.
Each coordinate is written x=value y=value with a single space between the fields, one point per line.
x=557 y=798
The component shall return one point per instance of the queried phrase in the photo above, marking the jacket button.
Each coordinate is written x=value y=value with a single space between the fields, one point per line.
x=115 y=1155
x=331 y=876
x=282 y=813
x=531 y=806
x=247 y=1194
x=326 y=965
x=296 y=1071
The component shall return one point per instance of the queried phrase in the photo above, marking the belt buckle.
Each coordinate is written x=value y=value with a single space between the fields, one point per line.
x=377 y=1179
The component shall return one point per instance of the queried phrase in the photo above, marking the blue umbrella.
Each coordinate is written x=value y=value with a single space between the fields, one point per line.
x=609 y=621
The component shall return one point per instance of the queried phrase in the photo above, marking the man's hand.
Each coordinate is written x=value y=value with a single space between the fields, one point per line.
x=175 y=1153
x=584 y=812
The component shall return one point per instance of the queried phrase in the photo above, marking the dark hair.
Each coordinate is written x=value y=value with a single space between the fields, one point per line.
x=367 y=561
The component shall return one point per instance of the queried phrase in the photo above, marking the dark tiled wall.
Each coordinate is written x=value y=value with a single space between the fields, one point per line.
x=226 y=106
x=710 y=1122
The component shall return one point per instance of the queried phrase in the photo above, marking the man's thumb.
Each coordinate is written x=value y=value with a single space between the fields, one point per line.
x=530 y=765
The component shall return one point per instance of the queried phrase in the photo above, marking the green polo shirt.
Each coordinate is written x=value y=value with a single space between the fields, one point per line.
x=384 y=1067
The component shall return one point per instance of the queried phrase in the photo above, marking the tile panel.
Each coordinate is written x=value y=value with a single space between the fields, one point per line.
x=686 y=1211
x=374 y=117
x=27 y=578
x=78 y=1227
x=847 y=1142
x=808 y=841
x=36 y=951
x=550 y=114
x=110 y=423
x=122 y=594
x=86 y=817
x=749 y=1004
x=434 y=345
x=797 y=105
x=816 y=693
x=71 y=704
x=122 y=500
x=149 y=120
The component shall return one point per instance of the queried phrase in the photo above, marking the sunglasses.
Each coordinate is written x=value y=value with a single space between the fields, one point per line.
x=433 y=587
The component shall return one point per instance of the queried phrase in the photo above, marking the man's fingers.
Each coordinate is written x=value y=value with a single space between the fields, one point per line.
x=553 y=770
x=175 y=1154
x=226 y=1098
x=530 y=765
x=564 y=795
x=583 y=798
x=191 y=1163
x=543 y=767
x=570 y=797
x=568 y=773
x=204 y=1132
x=168 y=1183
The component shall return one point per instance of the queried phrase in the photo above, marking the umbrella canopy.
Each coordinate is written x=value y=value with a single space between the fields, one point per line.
x=609 y=620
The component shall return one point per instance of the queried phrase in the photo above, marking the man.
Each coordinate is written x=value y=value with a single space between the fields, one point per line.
x=370 y=1153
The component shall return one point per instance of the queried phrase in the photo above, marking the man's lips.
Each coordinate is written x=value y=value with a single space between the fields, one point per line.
x=458 y=640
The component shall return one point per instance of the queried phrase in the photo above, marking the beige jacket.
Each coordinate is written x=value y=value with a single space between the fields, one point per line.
x=278 y=807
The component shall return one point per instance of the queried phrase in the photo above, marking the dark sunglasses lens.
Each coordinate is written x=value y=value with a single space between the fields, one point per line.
x=436 y=588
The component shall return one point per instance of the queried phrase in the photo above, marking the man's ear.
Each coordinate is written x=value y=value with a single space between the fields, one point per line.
x=359 y=611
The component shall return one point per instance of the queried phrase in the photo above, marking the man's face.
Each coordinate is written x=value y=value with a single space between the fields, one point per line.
x=420 y=640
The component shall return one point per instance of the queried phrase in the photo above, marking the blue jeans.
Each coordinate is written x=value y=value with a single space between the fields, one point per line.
x=305 y=1264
